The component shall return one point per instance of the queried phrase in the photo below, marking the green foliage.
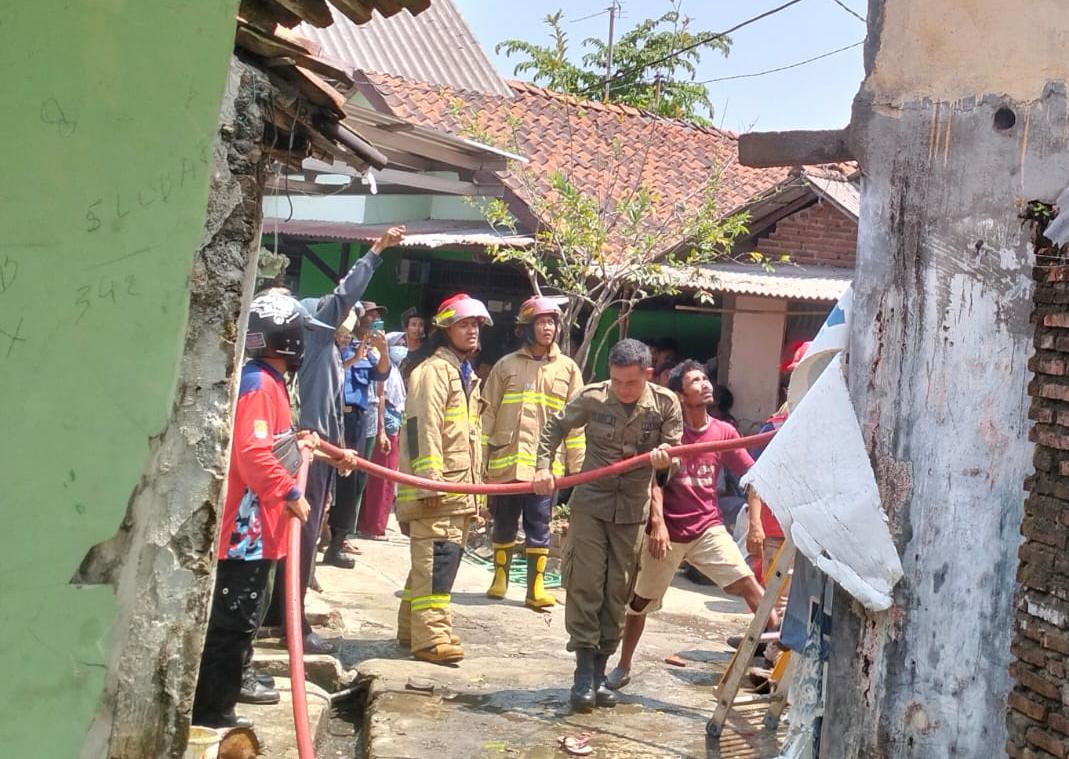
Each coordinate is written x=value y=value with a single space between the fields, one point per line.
x=667 y=89
x=614 y=252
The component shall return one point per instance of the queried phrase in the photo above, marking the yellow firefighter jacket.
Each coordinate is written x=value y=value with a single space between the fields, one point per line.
x=439 y=438
x=521 y=393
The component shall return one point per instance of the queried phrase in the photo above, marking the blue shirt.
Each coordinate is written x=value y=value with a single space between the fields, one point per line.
x=359 y=377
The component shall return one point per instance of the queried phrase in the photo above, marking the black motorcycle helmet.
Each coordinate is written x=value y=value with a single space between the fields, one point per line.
x=276 y=329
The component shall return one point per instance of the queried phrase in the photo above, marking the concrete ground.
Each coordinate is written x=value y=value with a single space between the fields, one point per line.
x=509 y=696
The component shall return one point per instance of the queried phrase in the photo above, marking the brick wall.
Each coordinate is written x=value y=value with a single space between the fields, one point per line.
x=1038 y=713
x=818 y=234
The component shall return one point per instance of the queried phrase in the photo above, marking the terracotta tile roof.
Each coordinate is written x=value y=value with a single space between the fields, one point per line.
x=606 y=150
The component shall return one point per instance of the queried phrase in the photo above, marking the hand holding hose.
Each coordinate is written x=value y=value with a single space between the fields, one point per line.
x=660 y=458
x=544 y=483
x=299 y=508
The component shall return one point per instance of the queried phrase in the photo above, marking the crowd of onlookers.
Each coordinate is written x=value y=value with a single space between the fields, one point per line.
x=425 y=400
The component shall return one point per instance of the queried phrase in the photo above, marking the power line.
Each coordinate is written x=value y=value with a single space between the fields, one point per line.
x=782 y=68
x=699 y=43
x=850 y=10
x=587 y=18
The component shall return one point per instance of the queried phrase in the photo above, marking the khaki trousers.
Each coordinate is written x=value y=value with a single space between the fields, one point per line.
x=599 y=568
x=435 y=545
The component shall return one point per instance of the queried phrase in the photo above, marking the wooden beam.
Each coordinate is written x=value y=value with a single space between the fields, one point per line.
x=423 y=147
x=436 y=184
x=763 y=150
x=268 y=45
x=283 y=186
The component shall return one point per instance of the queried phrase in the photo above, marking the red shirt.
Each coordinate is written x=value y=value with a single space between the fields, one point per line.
x=690 y=503
x=257 y=485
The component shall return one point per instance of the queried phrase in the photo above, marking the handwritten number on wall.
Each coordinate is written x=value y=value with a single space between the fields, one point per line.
x=83 y=301
x=53 y=115
x=103 y=291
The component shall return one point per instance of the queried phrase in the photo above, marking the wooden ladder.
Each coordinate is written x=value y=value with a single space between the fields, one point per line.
x=728 y=689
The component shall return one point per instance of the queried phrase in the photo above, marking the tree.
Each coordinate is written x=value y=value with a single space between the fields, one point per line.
x=668 y=88
x=612 y=248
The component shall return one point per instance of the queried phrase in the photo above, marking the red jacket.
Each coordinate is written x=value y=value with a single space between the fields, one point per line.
x=254 y=515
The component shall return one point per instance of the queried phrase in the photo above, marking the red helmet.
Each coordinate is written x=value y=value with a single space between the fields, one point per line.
x=460 y=307
x=538 y=305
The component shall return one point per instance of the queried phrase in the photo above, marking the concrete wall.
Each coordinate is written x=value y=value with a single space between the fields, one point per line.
x=757 y=329
x=938 y=360
x=109 y=125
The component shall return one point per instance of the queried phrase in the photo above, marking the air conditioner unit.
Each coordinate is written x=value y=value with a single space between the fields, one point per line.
x=414 y=272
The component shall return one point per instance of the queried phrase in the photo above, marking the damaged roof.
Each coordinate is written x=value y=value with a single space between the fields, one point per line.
x=423 y=233
x=435 y=46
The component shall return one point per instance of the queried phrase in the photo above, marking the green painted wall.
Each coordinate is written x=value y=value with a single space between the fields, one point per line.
x=383 y=289
x=109 y=116
x=697 y=334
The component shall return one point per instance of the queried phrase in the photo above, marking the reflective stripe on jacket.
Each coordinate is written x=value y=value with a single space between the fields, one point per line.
x=439 y=437
x=521 y=394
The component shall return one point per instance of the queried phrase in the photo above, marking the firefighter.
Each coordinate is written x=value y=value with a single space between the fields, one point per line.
x=623 y=417
x=439 y=441
x=523 y=390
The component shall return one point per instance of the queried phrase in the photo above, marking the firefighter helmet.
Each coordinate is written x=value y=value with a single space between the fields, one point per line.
x=460 y=307
x=538 y=305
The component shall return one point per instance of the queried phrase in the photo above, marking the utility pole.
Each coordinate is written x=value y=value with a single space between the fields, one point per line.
x=608 y=58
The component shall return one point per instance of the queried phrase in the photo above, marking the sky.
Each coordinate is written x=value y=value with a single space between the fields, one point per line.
x=814 y=96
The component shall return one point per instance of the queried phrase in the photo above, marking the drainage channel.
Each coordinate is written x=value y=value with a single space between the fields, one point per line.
x=343 y=736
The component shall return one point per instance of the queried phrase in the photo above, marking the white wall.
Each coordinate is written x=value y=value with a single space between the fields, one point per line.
x=753 y=368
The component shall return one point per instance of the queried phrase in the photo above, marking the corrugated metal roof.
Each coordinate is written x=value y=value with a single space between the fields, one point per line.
x=423 y=233
x=786 y=281
x=845 y=194
x=436 y=46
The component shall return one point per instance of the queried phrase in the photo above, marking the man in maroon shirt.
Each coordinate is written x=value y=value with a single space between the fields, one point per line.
x=685 y=521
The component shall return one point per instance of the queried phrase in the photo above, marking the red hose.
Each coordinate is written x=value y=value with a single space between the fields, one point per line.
x=293 y=565
x=516 y=488
x=294 y=623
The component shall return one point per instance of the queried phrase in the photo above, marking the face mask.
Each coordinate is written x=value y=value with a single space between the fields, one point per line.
x=398 y=353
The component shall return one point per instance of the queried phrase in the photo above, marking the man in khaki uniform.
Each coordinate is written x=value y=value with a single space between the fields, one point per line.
x=523 y=390
x=439 y=441
x=623 y=417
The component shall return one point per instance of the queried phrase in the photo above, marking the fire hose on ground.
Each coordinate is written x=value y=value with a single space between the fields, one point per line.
x=336 y=456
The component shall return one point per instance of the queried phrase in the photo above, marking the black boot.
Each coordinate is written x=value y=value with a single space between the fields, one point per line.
x=334 y=556
x=255 y=692
x=582 y=696
x=602 y=695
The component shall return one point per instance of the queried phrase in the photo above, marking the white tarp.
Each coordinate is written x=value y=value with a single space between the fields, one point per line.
x=830 y=340
x=816 y=478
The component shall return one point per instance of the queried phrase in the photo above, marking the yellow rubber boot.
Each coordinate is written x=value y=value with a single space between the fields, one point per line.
x=537 y=597
x=502 y=559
